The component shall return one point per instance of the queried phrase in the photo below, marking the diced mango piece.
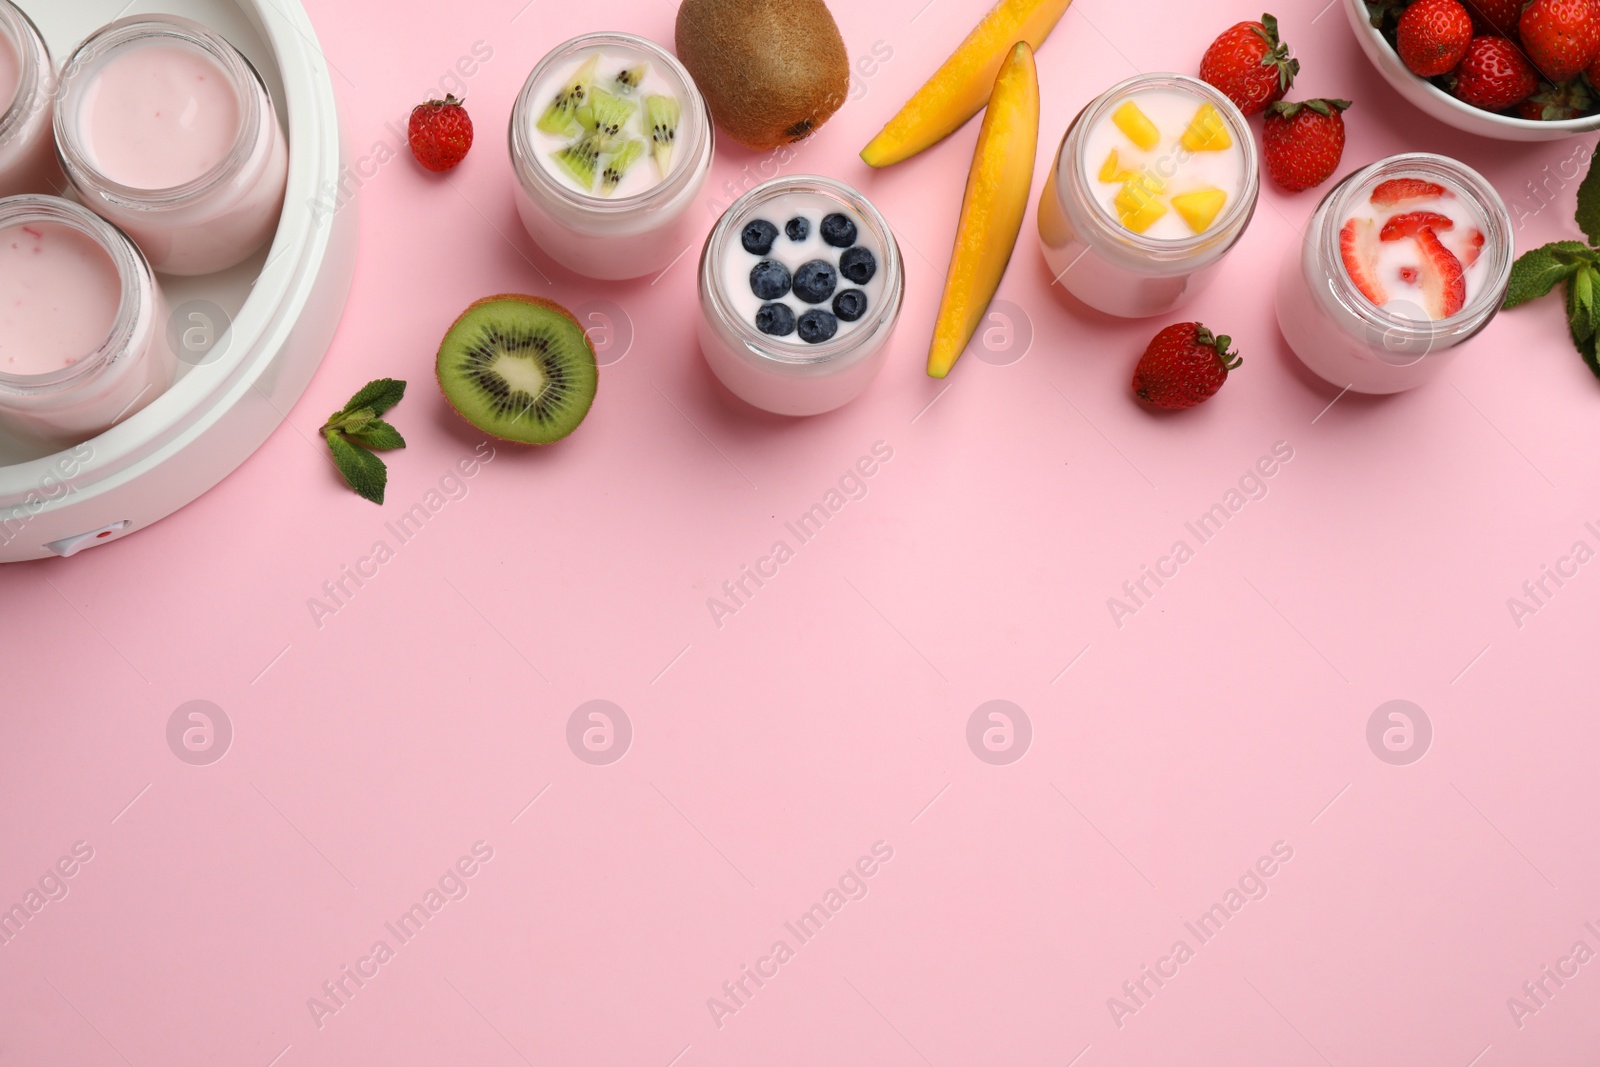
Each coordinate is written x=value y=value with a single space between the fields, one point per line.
x=1113 y=171
x=1207 y=132
x=1200 y=208
x=1139 y=204
x=1137 y=125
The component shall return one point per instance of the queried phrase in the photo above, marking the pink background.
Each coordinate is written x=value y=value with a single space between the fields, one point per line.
x=1167 y=756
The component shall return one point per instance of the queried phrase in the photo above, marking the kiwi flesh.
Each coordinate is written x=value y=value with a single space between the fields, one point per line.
x=519 y=368
x=563 y=110
x=630 y=78
x=618 y=165
x=606 y=114
x=662 y=114
x=581 y=159
x=771 y=72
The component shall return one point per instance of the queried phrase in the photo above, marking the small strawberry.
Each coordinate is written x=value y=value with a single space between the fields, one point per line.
x=1496 y=18
x=1398 y=191
x=440 y=134
x=1409 y=225
x=1561 y=37
x=1494 y=75
x=1185 y=365
x=1433 y=36
x=1304 y=142
x=1557 y=103
x=1358 y=245
x=1251 y=65
x=1444 y=280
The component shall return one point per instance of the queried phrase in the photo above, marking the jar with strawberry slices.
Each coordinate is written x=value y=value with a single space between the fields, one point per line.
x=1403 y=263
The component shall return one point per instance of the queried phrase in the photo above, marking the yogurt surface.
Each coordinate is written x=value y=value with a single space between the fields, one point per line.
x=59 y=295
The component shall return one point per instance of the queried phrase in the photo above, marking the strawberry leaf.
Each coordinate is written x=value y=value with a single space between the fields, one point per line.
x=1538 y=272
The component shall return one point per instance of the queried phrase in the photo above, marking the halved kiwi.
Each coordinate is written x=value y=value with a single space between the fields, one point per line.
x=661 y=114
x=519 y=368
x=563 y=110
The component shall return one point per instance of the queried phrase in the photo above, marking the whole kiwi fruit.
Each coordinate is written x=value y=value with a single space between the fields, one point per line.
x=772 y=71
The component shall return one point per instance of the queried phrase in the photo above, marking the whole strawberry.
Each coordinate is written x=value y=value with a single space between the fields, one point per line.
x=1495 y=17
x=1185 y=365
x=1560 y=37
x=1433 y=36
x=1251 y=65
x=1494 y=75
x=440 y=134
x=1304 y=142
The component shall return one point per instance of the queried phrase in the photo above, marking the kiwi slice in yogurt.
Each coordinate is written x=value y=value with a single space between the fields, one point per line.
x=563 y=110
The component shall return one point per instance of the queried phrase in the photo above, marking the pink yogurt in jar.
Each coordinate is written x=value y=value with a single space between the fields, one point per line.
x=81 y=340
x=167 y=131
x=27 y=87
x=1403 y=263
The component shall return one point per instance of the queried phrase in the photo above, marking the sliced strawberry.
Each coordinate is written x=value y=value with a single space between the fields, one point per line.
x=1358 y=242
x=1399 y=191
x=1409 y=275
x=1409 y=225
x=1444 y=280
x=1471 y=247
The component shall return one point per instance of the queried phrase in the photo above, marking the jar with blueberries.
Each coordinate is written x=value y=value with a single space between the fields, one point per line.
x=801 y=283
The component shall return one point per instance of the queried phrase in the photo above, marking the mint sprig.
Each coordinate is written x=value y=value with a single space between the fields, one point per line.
x=1577 y=265
x=356 y=431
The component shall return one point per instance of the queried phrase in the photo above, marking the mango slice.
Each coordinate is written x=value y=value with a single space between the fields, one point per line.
x=996 y=199
x=1137 y=125
x=1139 y=203
x=1113 y=172
x=1200 y=208
x=1207 y=132
x=961 y=87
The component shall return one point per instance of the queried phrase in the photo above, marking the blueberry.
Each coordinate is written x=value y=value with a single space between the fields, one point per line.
x=815 y=281
x=850 y=305
x=758 y=237
x=859 y=265
x=799 y=228
x=838 y=231
x=769 y=280
x=775 y=319
x=817 y=327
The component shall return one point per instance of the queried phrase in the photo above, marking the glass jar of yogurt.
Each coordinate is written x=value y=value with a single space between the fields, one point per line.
x=801 y=284
x=82 y=344
x=167 y=130
x=610 y=142
x=1402 y=263
x=27 y=87
x=1154 y=184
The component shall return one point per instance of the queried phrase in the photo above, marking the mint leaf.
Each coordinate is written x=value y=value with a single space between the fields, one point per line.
x=380 y=396
x=1589 y=205
x=1581 y=303
x=1540 y=271
x=378 y=435
x=366 y=474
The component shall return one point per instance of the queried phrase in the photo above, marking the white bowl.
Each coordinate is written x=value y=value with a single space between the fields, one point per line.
x=284 y=303
x=1446 y=108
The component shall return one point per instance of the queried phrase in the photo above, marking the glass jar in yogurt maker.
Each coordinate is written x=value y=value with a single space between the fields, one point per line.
x=611 y=144
x=1402 y=263
x=27 y=88
x=1154 y=184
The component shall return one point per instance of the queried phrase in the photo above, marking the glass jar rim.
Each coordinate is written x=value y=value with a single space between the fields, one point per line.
x=1238 y=213
x=525 y=111
x=133 y=31
x=1453 y=173
x=133 y=271
x=18 y=28
x=768 y=348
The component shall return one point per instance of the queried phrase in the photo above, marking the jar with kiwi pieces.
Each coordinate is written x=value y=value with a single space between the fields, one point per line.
x=611 y=144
